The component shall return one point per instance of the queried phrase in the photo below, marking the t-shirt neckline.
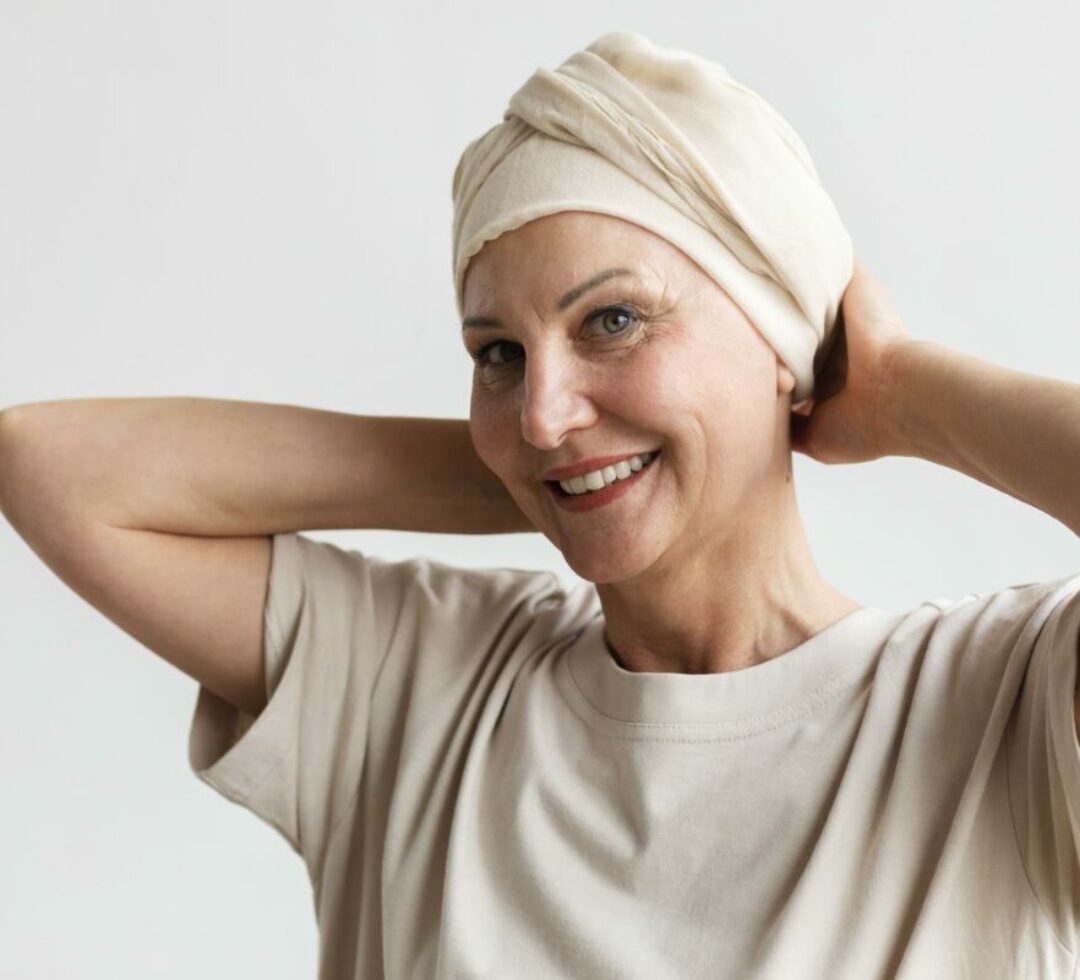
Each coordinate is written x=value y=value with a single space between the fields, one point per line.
x=740 y=702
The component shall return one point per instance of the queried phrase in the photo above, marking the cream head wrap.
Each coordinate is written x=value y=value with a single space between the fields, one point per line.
x=668 y=140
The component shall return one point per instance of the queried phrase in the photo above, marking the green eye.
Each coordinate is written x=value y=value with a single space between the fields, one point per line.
x=612 y=311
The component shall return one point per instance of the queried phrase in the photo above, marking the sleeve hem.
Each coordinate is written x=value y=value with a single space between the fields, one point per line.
x=246 y=765
x=231 y=750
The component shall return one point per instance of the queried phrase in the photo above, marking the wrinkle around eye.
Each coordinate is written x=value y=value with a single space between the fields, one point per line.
x=638 y=320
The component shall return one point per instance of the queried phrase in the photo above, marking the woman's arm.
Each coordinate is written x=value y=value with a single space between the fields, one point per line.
x=158 y=511
x=1016 y=432
x=220 y=468
x=885 y=393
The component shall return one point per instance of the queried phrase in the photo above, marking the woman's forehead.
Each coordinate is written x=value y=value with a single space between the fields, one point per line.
x=554 y=252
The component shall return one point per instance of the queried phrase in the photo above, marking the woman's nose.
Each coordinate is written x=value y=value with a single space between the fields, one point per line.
x=555 y=401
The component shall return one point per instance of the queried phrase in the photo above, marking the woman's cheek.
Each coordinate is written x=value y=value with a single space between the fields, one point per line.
x=495 y=424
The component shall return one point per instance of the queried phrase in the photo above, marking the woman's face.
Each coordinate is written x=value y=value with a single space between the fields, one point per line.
x=656 y=357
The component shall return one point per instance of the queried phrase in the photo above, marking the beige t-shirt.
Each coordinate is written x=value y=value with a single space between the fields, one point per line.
x=479 y=790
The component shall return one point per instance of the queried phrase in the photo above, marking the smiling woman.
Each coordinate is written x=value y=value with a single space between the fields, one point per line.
x=701 y=760
x=651 y=277
x=649 y=354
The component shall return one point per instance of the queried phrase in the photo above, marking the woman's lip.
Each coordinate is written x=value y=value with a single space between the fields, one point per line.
x=584 y=502
x=588 y=465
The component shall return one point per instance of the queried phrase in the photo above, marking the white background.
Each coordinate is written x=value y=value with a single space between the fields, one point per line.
x=252 y=201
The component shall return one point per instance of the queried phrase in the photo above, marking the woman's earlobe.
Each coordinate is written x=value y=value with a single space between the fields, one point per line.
x=785 y=379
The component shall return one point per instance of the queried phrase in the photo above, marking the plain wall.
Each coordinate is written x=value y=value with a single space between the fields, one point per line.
x=252 y=201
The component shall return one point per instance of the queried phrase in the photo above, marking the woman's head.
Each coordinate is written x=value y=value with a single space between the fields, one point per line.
x=635 y=156
x=654 y=357
x=632 y=156
x=667 y=141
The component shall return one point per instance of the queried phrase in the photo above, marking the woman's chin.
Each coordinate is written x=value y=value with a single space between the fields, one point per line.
x=601 y=566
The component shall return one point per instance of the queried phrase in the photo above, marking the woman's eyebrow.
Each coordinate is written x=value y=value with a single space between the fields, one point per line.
x=571 y=297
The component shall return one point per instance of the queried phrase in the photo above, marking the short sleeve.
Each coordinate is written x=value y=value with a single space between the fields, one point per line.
x=332 y=619
x=292 y=764
x=1044 y=761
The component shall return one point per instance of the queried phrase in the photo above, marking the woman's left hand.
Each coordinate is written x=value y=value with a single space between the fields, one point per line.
x=846 y=421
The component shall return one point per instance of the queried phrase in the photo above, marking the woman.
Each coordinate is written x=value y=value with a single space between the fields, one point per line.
x=705 y=761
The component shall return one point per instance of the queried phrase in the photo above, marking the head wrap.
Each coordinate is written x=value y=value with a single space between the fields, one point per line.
x=668 y=140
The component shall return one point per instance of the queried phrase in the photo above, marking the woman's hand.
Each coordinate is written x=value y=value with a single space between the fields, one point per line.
x=847 y=419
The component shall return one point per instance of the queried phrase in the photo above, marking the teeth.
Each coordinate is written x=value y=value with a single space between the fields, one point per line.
x=598 y=479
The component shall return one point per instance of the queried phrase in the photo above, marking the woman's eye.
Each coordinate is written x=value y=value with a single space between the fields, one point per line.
x=627 y=314
x=622 y=311
x=481 y=356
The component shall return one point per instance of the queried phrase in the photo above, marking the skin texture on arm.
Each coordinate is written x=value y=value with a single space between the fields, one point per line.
x=221 y=468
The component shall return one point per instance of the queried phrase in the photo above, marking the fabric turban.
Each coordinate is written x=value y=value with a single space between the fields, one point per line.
x=670 y=141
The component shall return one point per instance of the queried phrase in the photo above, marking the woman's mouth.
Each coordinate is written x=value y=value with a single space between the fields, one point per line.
x=592 y=499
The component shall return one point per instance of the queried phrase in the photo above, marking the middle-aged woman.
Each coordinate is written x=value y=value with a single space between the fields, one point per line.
x=704 y=761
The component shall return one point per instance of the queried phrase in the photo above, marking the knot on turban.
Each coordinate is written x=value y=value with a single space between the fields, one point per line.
x=668 y=140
